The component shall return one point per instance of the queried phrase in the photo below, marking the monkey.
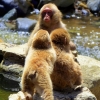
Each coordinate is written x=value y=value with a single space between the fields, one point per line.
x=60 y=40
x=39 y=64
x=67 y=73
x=50 y=18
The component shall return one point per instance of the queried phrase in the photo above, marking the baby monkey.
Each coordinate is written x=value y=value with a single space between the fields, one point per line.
x=67 y=73
x=38 y=67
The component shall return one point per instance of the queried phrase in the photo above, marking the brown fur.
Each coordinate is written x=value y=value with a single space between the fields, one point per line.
x=67 y=72
x=55 y=22
x=60 y=39
x=39 y=65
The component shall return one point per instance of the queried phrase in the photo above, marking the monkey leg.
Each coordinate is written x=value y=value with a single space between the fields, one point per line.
x=45 y=84
x=27 y=87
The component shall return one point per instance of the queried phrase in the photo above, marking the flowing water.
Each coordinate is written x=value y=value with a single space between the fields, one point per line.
x=84 y=31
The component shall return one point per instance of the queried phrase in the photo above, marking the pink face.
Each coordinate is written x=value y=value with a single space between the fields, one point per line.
x=47 y=14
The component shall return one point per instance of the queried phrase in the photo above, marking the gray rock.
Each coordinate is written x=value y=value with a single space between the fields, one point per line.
x=20 y=5
x=93 y=5
x=25 y=24
x=91 y=74
x=83 y=94
x=13 y=61
x=11 y=15
x=60 y=3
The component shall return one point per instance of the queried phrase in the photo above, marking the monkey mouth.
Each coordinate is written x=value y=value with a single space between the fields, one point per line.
x=46 y=19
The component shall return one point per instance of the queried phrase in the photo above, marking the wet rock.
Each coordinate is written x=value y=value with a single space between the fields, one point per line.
x=91 y=73
x=83 y=94
x=13 y=57
x=35 y=11
x=11 y=15
x=2 y=25
x=60 y=3
x=11 y=66
x=25 y=24
x=93 y=5
x=13 y=62
x=7 y=80
x=20 y=5
x=11 y=24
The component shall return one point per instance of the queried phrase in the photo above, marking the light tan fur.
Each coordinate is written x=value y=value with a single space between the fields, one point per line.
x=55 y=22
x=67 y=73
x=39 y=65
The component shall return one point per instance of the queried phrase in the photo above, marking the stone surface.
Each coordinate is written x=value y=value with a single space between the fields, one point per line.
x=13 y=61
x=61 y=3
x=25 y=24
x=93 y=5
x=21 y=6
x=83 y=94
x=91 y=74
x=11 y=15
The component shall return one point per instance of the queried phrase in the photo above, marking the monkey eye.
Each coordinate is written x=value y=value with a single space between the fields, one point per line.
x=48 y=12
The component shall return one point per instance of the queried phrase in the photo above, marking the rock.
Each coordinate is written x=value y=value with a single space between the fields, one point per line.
x=83 y=94
x=91 y=73
x=11 y=15
x=14 y=57
x=6 y=81
x=13 y=62
x=35 y=11
x=2 y=24
x=93 y=5
x=25 y=24
x=2 y=10
x=21 y=6
x=11 y=24
x=61 y=3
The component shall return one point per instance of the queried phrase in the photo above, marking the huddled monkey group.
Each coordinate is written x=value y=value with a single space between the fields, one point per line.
x=49 y=63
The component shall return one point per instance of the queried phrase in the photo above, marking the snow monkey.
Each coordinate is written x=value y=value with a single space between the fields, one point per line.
x=50 y=18
x=67 y=73
x=39 y=65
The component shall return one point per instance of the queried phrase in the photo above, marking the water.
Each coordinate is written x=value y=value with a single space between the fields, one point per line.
x=85 y=33
x=14 y=37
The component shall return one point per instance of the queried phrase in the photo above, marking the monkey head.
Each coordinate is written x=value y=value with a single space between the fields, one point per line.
x=60 y=37
x=50 y=14
x=41 y=40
